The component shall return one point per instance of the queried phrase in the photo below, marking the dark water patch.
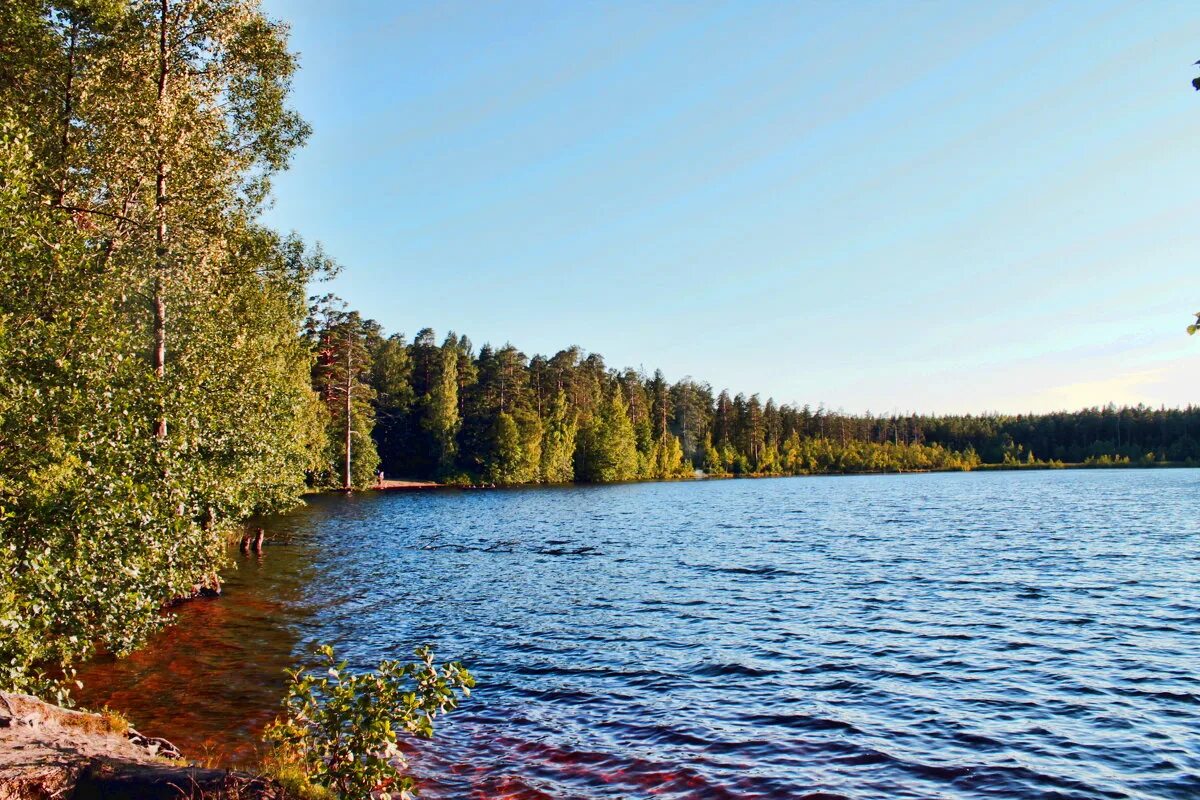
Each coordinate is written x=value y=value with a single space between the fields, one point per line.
x=729 y=670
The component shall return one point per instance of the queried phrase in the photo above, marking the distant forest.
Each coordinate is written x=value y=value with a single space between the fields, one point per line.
x=447 y=411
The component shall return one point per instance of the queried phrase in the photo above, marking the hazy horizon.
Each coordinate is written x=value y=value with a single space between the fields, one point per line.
x=939 y=208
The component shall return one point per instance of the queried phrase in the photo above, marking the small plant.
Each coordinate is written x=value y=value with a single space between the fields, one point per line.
x=114 y=721
x=339 y=728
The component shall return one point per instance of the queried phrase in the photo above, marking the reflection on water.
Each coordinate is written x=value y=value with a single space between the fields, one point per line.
x=989 y=635
x=212 y=682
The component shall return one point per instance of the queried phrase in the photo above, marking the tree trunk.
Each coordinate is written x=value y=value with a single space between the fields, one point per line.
x=68 y=112
x=346 y=483
x=160 y=211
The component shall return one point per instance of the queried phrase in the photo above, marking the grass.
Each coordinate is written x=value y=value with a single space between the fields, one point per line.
x=290 y=774
x=115 y=721
x=101 y=722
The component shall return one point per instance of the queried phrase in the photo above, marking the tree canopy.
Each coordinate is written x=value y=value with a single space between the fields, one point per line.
x=568 y=417
x=155 y=387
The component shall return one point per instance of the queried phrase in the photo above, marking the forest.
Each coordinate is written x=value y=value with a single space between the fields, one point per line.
x=445 y=411
x=165 y=373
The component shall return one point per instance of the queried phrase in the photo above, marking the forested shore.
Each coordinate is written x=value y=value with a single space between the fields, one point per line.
x=449 y=412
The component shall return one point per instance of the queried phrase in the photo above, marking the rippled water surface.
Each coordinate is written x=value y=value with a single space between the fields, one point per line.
x=1014 y=635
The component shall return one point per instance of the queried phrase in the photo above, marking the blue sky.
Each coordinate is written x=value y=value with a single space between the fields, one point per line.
x=885 y=206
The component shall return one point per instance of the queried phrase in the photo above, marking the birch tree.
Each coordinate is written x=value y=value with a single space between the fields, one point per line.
x=155 y=387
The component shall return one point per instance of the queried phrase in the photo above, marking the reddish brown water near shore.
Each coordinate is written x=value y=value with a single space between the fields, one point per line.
x=212 y=681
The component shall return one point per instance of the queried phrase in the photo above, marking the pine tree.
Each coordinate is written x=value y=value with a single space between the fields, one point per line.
x=442 y=406
x=558 y=442
x=529 y=426
x=666 y=460
x=607 y=444
x=507 y=454
x=342 y=376
x=391 y=377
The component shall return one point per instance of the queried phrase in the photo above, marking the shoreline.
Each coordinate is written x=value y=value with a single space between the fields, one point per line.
x=404 y=485
x=418 y=485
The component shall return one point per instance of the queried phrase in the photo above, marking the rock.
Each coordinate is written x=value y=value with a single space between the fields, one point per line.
x=48 y=752
x=107 y=780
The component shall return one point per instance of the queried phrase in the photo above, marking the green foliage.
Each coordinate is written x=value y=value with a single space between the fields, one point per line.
x=391 y=378
x=821 y=455
x=558 y=442
x=1016 y=454
x=1106 y=460
x=391 y=373
x=340 y=729
x=342 y=375
x=364 y=460
x=1191 y=329
x=508 y=455
x=665 y=460
x=517 y=449
x=122 y=471
x=524 y=420
x=713 y=464
x=607 y=447
x=442 y=406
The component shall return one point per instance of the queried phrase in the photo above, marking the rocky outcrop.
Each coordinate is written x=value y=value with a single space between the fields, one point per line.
x=52 y=753
x=125 y=781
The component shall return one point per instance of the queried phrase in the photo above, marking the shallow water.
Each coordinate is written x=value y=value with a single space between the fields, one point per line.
x=984 y=635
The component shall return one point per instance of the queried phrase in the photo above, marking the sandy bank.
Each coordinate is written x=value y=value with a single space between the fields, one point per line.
x=389 y=485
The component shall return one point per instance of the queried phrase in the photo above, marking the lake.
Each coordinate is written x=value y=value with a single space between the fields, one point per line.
x=966 y=635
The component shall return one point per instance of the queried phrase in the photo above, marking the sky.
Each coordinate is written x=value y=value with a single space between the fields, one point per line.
x=878 y=206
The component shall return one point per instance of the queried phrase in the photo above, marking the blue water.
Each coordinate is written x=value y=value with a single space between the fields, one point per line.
x=983 y=635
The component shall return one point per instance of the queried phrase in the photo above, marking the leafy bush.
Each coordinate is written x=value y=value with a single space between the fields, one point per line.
x=339 y=728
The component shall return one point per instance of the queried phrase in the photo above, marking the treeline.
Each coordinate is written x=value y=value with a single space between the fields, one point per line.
x=155 y=382
x=1135 y=434
x=424 y=409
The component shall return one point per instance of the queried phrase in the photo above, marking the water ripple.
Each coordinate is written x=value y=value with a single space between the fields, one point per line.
x=1003 y=635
